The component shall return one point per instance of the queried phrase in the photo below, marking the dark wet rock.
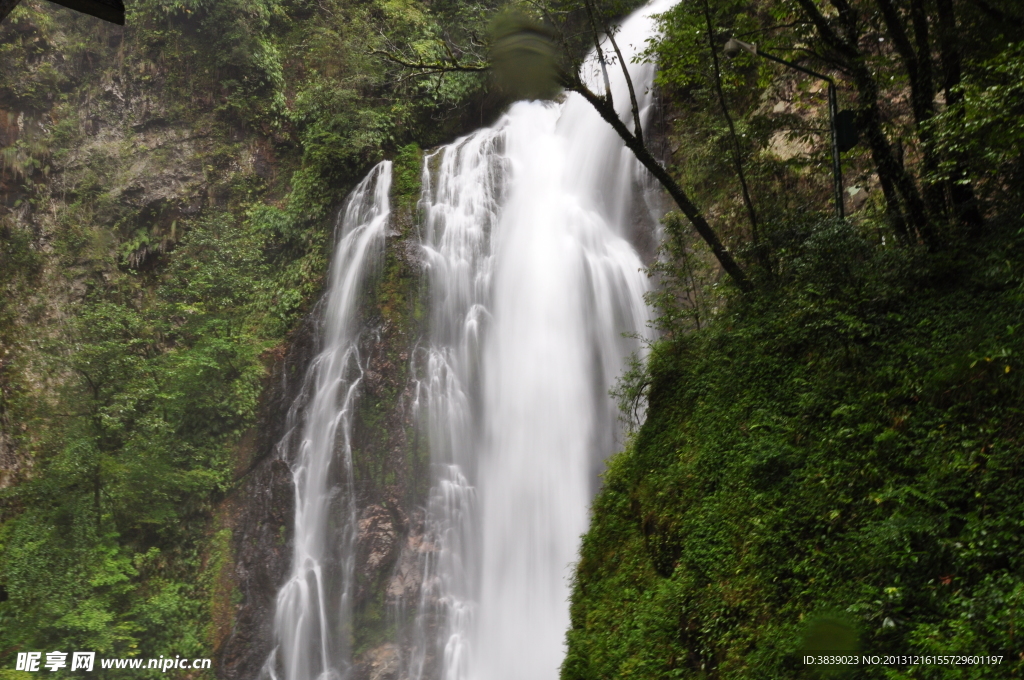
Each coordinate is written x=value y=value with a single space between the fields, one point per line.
x=262 y=518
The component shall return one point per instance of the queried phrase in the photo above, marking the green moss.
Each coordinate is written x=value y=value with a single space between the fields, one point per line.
x=223 y=595
x=849 y=443
x=407 y=176
x=374 y=625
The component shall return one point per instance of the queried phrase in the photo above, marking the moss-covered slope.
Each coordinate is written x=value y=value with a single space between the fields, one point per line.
x=846 y=448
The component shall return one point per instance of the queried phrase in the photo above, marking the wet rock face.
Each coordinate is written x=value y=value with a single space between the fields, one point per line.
x=390 y=459
x=382 y=663
x=263 y=550
x=376 y=543
x=262 y=519
x=391 y=468
x=403 y=587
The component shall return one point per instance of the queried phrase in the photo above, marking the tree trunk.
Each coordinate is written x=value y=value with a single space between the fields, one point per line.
x=755 y=236
x=869 y=118
x=917 y=63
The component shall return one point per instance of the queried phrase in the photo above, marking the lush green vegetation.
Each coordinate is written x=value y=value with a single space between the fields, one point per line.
x=843 y=443
x=840 y=450
x=850 y=444
x=169 y=194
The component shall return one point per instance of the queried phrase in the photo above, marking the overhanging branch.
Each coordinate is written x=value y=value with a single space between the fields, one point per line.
x=633 y=141
x=643 y=154
x=435 y=66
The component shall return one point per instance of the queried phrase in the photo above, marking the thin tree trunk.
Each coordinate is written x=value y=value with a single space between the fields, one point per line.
x=917 y=63
x=892 y=204
x=919 y=20
x=886 y=162
x=689 y=209
x=635 y=142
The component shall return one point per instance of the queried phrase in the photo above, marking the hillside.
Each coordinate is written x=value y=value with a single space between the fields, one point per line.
x=831 y=465
x=845 y=453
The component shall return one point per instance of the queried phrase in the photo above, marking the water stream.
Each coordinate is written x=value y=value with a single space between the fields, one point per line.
x=313 y=616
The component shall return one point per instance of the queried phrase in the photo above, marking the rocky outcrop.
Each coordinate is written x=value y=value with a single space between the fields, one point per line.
x=404 y=585
x=391 y=458
x=262 y=516
x=382 y=663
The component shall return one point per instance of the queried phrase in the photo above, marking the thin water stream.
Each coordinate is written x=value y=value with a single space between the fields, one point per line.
x=313 y=614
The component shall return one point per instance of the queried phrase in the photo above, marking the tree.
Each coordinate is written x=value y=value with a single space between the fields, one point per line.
x=930 y=43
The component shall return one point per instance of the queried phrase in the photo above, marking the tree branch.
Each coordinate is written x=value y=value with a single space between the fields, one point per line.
x=737 y=156
x=434 y=67
x=600 y=53
x=608 y=113
x=830 y=37
x=637 y=130
x=634 y=142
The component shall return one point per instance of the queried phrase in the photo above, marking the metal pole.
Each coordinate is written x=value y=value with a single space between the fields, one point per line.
x=837 y=167
x=733 y=46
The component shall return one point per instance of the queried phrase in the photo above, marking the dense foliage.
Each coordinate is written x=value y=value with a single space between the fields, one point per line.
x=169 y=192
x=848 y=446
x=844 y=442
x=841 y=451
x=938 y=120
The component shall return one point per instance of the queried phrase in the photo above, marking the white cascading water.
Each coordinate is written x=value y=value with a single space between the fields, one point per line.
x=534 y=283
x=313 y=617
x=537 y=299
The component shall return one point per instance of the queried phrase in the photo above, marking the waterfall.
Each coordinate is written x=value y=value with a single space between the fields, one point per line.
x=533 y=283
x=313 y=615
x=536 y=294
